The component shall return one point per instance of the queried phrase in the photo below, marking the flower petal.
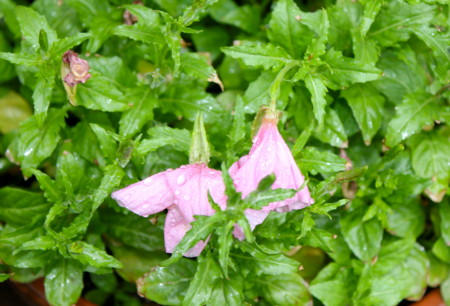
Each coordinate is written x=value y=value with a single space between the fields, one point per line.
x=146 y=197
x=254 y=217
x=175 y=228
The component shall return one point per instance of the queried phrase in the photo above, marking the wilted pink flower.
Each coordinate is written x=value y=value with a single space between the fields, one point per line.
x=269 y=154
x=183 y=191
x=78 y=69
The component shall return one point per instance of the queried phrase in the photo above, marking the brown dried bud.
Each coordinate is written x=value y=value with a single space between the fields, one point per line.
x=78 y=69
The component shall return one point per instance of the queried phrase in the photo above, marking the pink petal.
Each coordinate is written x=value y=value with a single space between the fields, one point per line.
x=270 y=154
x=190 y=185
x=146 y=197
x=175 y=228
x=254 y=217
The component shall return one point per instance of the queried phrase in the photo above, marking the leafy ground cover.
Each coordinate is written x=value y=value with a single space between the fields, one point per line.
x=363 y=87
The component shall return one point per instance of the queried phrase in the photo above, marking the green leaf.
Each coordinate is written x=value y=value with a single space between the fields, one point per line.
x=227 y=292
x=334 y=285
x=201 y=228
x=284 y=290
x=371 y=9
x=363 y=237
x=13 y=110
x=168 y=285
x=257 y=93
x=89 y=255
x=37 y=143
x=107 y=143
x=407 y=219
x=99 y=94
x=112 y=176
x=367 y=107
x=195 y=11
x=48 y=186
x=396 y=20
x=345 y=71
x=43 y=243
x=43 y=92
x=399 y=273
x=266 y=56
x=199 y=151
x=140 y=32
x=413 y=114
x=134 y=231
x=180 y=140
x=442 y=250
x=63 y=282
x=315 y=161
x=3 y=277
x=286 y=26
x=444 y=213
x=437 y=42
x=21 y=58
x=196 y=65
x=20 y=207
x=317 y=47
x=31 y=24
x=68 y=43
x=144 y=14
x=331 y=131
x=438 y=271
x=431 y=156
x=208 y=271
x=245 y=17
x=262 y=263
x=316 y=87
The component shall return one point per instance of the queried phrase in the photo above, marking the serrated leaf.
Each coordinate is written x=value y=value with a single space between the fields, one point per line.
x=412 y=115
x=431 y=156
x=286 y=26
x=345 y=71
x=208 y=271
x=134 y=231
x=89 y=255
x=395 y=21
x=20 y=207
x=99 y=94
x=371 y=9
x=67 y=43
x=112 y=176
x=168 y=285
x=162 y=136
x=43 y=243
x=316 y=87
x=63 y=282
x=437 y=42
x=245 y=17
x=31 y=24
x=37 y=143
x=363 y=237
x=201 y=228
x=139 y=32
x=367 y=107
x=21 y=58
x=266 y=56
x=43 y=92
x=284 y=290
x=262 y=263
x=195 y=11
x=197 y=65
x=315 y=161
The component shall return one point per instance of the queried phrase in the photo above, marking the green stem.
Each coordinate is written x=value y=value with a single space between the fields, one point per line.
x=276 y=84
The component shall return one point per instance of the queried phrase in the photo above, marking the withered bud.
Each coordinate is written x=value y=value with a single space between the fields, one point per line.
x=78 y=69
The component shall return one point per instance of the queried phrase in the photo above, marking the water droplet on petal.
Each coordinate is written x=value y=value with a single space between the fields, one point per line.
x=177 y=192
x=187 y=197
x=181 y=179
x=212 y=172
x=148 y=181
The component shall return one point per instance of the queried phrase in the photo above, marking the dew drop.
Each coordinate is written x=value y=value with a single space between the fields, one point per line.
x=148 y=181
x=181 y=179
x=177 y=192
x=212 y=172
x=187 y=197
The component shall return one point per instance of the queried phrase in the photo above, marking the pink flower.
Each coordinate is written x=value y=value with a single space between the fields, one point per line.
x=78 y=71
x=183 y=191
x=269 y=154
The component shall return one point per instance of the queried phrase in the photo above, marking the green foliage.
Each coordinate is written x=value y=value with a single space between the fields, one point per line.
x=363 y=87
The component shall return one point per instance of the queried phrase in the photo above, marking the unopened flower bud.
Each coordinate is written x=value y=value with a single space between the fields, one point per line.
x=78 y=69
